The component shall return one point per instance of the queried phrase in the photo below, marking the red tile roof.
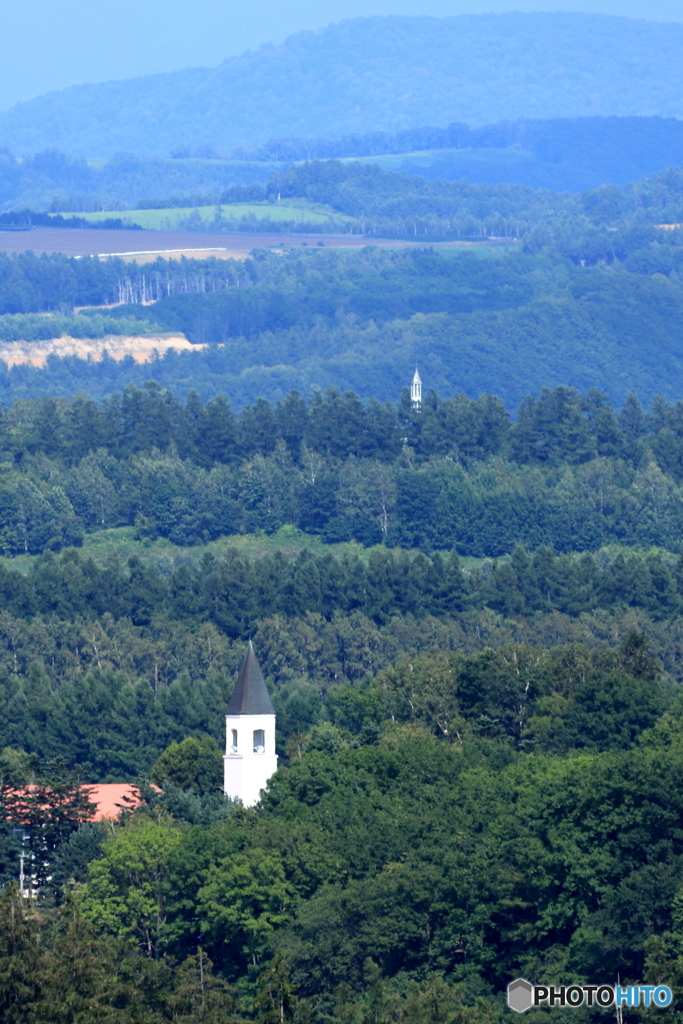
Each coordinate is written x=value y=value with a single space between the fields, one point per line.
x=110 y=798
x=113 y=797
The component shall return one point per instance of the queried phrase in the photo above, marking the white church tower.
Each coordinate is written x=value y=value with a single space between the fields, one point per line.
x=416 y=392
x=250 y=757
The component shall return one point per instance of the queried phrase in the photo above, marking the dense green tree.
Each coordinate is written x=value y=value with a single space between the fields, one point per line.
x=127 y=888
x=21 y=957
x=193 y=764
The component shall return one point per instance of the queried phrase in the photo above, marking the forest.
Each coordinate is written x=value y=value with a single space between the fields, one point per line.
x=479 y=756
x=373 y=201
x=636 y=145
x=51 y=178
x=469 y=614
x=459 y=474
x=428 y=760
x=564 y=154
x=569 y=308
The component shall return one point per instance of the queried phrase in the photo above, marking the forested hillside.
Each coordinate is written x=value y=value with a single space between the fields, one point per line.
x=53 y=180
x=568 y=476
x=469 y=616
x=438 y=724
x=371 y=201
x=371 y=74
x=590 y=307
x=432 y=749
x=564 y=155
x=382 y=199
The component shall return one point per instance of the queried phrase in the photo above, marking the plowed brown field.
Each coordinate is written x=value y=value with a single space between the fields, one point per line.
x=145 y=245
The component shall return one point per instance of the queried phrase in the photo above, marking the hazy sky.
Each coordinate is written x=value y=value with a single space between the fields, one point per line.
x=50 y=44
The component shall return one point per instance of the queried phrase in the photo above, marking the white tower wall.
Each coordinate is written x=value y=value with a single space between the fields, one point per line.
x=250 y=759
x=416 y=392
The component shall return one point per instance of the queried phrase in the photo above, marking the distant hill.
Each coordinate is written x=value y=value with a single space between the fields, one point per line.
x=565 y=154
x=370 y=74
x=51 y=179
x=570 y=154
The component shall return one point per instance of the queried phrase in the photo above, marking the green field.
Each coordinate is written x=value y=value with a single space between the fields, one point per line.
x=416 y=162
x=173 y=219
x=120 y=542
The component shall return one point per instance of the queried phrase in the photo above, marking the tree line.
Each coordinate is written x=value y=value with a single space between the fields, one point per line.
x=106 y=666
x=235 y=593
x=459 y=474
x=391 y=203
x=383 y=203
x=28 y=327
x=30 y=283
x=52 y=181
x=574 y=151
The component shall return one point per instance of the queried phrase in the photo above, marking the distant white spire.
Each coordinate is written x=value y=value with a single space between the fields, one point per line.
x=416 y=392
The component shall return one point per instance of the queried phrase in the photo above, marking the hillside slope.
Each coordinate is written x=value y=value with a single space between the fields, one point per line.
x=565 y=154
x=367 y=74
x=318 y=318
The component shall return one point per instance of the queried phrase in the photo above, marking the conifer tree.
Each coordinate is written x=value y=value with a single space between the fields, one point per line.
x=276 y=999
x=21 y=957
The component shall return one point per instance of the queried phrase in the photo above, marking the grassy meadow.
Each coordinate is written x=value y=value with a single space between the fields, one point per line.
x=415 y=163
x=174 y=219
x=122 y=543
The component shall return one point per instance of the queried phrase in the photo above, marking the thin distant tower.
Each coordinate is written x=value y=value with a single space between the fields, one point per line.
x=416 y=392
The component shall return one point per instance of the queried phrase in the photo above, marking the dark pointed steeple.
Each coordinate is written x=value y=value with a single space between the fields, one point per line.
x=250 y=696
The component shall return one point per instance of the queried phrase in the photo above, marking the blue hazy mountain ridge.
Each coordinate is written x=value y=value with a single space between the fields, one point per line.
x=365 y=74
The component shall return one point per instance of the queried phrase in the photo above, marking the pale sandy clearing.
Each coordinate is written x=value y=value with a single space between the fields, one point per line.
x=143 y=349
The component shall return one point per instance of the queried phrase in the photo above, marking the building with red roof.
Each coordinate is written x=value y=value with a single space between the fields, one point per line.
x=110 y=798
